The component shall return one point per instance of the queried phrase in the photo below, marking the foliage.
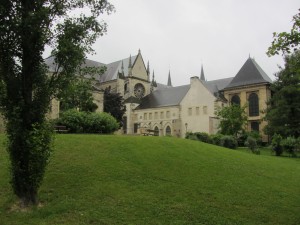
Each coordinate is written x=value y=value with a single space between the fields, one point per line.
x=276 y=144
x=286 y=42
x=290 y=145
x=216 y=139
x=283 y=112
x=78 y=95
x=252 y=145
x=229 y=141
x=233 y=118
x=114 y=104
x=26 y=27
x=86 y=122
x=204 y=137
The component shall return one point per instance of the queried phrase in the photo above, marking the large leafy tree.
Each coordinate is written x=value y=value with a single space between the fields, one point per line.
x=283 y=113
x=79 y=93
x=286 y=42
x=26 y=27
x=233 y=119
x=114 y=104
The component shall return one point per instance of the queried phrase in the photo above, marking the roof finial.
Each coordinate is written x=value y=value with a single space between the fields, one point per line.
x=202 y=77
x=249 y=55
x=129 y=64
x=139 y=51
x=169 y=79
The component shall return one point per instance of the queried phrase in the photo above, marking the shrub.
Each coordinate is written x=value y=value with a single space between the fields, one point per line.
x=228 y=141
x=204 y=137
x=86 y=122
x=252 y=145
x=216 y=139
x=73 y=120
x=290 y=145
x=276 y=144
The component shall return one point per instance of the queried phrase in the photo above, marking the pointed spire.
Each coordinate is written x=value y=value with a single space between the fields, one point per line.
x=202 y=77
x=122 y=67
x=148 y=69
x=129 y=64
x=169 y=80
x=153 y=76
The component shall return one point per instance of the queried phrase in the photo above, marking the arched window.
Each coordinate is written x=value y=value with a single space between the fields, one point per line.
x=236 y=100
x=156 y=131
x=168 y=130
x=253 y=105
x=125 y=87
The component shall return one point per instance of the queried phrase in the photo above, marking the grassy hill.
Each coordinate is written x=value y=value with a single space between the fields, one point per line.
x=94 y=179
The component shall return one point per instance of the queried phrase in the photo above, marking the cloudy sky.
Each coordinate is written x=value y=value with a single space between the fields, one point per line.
x=180 y=35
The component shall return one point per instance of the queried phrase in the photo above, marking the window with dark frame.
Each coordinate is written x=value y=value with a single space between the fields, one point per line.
x=253 y=104
x=236 y=100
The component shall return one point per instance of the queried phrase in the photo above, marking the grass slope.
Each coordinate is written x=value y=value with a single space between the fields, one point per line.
x=96 y=179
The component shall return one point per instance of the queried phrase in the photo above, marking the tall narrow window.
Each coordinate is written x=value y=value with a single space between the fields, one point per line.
x=236 y=100
x=253 y=105
x=190 y=111
x=156 y=131
x=168 y=130
x=255 y=126
x=197 y=111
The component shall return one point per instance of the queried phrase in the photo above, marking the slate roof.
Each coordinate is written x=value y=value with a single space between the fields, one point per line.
x=164 y=97
x=216 y=85
x=111 y=72
x=52 y=67
x=87 y=63
x=250 y=73
x=112 y=69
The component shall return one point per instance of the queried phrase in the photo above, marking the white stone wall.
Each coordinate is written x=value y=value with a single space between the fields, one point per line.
x=197 y=108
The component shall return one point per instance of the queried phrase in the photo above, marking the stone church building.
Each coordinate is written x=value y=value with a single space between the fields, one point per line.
x=189 y=108
x=173 y=111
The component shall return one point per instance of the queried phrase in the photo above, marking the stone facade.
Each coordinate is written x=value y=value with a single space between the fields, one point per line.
x=177 y=110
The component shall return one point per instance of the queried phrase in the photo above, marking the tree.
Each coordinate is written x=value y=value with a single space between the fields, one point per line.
x=114 y=104
x=79 y=93
x=283 y=112
x=26 y=27
x=233 y=119
x=286 y=42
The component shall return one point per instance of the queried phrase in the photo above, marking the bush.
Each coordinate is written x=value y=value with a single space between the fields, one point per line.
x=228 y=141
x=276 y=144
x=252 y=145
x=242 y=139
x=216 y=139
x=73 y=120
x=204 y=137
x=290 y=145
x=86 y=122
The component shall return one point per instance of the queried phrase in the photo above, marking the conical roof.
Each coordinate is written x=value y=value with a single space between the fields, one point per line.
x=250 y=73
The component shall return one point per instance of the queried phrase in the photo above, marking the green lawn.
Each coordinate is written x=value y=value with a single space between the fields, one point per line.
x=96 y=179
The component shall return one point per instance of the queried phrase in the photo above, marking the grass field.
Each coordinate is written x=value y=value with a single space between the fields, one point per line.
x=94 y=179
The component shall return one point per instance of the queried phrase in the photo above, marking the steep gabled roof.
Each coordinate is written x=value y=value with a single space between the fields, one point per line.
x=171 y=96
x=216 y=85
x=87 y=63
x=250 y=73
x=112 y=69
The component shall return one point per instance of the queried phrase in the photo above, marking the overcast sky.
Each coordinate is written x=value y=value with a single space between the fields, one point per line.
x=180 y=35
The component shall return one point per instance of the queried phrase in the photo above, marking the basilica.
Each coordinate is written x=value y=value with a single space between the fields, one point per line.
x=173 y=111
